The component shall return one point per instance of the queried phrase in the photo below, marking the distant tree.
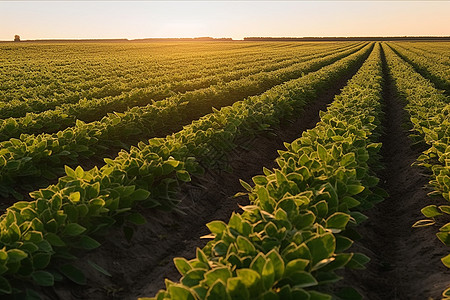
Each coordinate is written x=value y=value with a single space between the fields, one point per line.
x=16 y=38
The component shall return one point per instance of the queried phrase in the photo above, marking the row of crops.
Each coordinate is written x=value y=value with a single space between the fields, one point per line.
x=429 y=112
x=296 y=232
x=291 y=238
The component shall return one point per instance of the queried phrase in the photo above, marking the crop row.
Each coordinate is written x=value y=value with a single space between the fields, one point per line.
x=438 y=73
x=290 y=240
x=114 y=74
x=89 y=110
x=437 y=51
x=31 y=159
x=429 y=112
x=39 y=237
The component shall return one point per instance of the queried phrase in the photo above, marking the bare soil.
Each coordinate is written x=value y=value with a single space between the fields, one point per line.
x=405 y=261
x=138 y=268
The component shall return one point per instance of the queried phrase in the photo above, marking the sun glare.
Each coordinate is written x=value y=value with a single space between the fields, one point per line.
x=181 y=29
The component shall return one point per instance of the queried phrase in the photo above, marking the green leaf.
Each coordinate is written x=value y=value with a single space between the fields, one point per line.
x=303 y=279
x=445 y=209
x=278 y=263
x=70 y=172
x=218 y=292
x=270 y=295
x=245 y=185
x=260 y=180
x=41 y=260
x=347 y=159
x=264 y=199
x=446 y=261
x=296 y=265
x=74 y=229
x=73 y=274
x=446 y=293
x=88 y=243
x=314 y=295
x=193 y=277
x=358 y=261
x=54 y=240
x=136 y=218
x=216 y=227
x=322 y=152
x=128 y=232
x=75 y=197
x=338 y=220
x=445 y=228
x=180 y=292
x=350 y=201
x=354 y=189
x=213 y=275
x=237 y=289
x=183 y=175
x=43 y=278
x=249 y=277
x=358 y=217
x=305 y=220
x=100 y=269
x=201 y=256
x=245 y=245
x=268 y=275
x=258 y=263
x=430 y=211
x=140 y=195
x=16 y=255
x=321 y=247
x=349 y=293
x=182 y=265
x=79 y=172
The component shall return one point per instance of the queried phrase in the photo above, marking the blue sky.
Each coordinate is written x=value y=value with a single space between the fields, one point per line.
x=236 y=19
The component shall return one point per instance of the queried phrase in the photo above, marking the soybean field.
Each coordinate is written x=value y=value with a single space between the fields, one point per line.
x=225 y=170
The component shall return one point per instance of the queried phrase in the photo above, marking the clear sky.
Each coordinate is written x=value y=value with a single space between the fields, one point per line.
x=236 y=19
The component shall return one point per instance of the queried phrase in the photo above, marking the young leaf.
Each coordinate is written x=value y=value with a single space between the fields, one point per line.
x=182 y=265
x=136 y=218
x=98 y=268
x=218 y=291
x=140 y=194
x=216 y=227
x=430 y=211
x=446 y=261
x=88 y=243
x=73 y=274
x=74 y=229
x=43 y=278
x=183 y=175
x=178 y=291
x=338 y=220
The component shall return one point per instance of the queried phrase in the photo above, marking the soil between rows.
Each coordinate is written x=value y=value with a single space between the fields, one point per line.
x=405 y=261
x=139 y=267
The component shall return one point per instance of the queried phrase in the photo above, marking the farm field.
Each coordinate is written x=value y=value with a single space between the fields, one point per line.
x=225 y=170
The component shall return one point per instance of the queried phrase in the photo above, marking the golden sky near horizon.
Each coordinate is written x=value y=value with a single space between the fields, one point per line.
x=236 y=19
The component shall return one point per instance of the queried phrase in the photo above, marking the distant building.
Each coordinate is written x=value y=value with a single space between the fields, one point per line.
x=16 y=38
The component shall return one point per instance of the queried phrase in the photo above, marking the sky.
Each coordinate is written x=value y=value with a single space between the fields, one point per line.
x=235 y=19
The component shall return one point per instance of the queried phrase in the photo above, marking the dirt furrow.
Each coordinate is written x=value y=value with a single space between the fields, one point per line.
x=405 y=261
x=138 y=268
